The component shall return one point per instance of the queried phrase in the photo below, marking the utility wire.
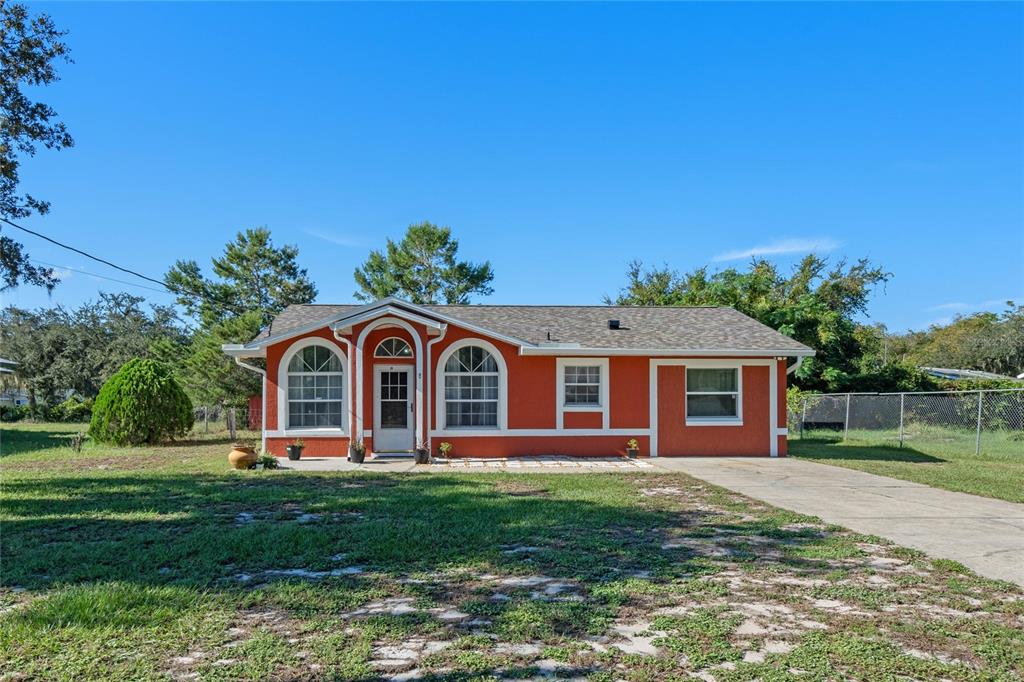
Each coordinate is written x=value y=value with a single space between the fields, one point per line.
x=87 y=255
x=205 y=297
x=93 y=274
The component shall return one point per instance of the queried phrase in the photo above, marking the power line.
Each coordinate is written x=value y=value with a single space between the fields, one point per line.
x=93 y=274
x=84 y=253
x=205 y=297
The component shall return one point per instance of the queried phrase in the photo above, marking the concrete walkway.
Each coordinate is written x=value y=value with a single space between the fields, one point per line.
x=984 y=534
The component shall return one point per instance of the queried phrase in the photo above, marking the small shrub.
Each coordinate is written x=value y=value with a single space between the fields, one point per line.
x=13 y=413
x=268 y=462
x=77 y=441
x=74 y=409
x=141 y=403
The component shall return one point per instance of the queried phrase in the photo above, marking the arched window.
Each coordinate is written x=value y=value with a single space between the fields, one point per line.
x=393 y=347
x=471 y=388
x=315 y=388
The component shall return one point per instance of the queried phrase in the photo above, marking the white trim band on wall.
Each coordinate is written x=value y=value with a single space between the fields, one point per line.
x=512 y=433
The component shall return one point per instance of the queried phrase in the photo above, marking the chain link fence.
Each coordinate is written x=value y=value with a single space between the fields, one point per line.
x=232 y=422
x=966 y=421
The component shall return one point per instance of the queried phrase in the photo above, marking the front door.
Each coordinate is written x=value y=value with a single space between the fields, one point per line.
x=393 y=427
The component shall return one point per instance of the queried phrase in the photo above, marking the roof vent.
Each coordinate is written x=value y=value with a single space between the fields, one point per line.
x=613 y=324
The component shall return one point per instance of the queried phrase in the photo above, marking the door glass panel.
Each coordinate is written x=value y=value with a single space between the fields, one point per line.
x=393 y=414
x=394 y=400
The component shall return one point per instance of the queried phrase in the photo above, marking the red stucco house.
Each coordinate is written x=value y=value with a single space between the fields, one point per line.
x=498 y=381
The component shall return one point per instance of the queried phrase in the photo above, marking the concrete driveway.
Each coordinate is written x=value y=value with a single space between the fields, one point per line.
x=984 y=534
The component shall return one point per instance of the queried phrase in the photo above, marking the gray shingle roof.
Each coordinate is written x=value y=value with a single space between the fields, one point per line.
x=643 y=328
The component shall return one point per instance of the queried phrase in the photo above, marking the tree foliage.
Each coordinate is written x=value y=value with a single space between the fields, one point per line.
x=423 y=268
x=990 y=342
x=30 y=49
x=77 y=349
x=141 y=403
x=816 y=304
x=252 y=275
x=253 y=281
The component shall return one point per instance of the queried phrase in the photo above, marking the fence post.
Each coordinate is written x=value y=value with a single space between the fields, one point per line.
x=977 y=437
x=902 y=397
x=206 y=418
x=231 y=422
x=846 y=421
x=803 y=417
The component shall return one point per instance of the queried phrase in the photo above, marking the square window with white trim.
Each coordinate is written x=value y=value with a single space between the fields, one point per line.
x=712 y=394
x=582 y=385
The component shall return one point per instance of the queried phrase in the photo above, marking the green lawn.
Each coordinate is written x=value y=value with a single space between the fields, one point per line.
x=159 y=563
x=948 y=463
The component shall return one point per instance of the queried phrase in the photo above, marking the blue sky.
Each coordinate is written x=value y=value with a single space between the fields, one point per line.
x=558 y=141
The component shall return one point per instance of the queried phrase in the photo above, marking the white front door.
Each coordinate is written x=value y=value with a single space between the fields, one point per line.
x=393 y=418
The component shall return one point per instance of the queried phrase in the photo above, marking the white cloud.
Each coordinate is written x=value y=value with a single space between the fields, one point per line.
x=982 y=305
x=950 y=306
x=338 y=239
x=779 y=248
x=62 y=274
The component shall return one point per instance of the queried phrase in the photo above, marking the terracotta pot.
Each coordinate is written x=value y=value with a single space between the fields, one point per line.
x=242 y=457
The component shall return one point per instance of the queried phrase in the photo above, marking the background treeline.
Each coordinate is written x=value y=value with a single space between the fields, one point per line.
x=823 y=305
x=65 y=355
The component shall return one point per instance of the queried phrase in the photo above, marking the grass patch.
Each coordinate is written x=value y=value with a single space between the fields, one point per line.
x=160 y=562
x=951 y=465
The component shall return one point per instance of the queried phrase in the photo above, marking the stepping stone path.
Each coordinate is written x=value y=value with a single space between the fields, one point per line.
x=399 y=656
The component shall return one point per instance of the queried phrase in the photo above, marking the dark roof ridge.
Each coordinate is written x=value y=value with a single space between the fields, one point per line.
x=533 y=305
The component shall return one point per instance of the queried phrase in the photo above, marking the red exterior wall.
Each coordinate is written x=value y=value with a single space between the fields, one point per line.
x=582 y=420
x=676 y=438
x=783 y=441
x=630 y=378
x=370 y=363
x=532 y=405
x=315 y=446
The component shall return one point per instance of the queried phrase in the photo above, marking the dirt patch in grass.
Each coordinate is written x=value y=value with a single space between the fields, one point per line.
x=614 y=577
x=520 y=488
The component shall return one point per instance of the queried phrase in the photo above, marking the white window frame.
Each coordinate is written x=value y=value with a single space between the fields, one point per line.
x=441 y=414
x=736 y=420
x=376 y=350
x=283 y=429
x=604 y=399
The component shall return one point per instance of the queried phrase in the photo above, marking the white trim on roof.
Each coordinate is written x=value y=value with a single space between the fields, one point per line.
x=384 y=306
x=349 y=321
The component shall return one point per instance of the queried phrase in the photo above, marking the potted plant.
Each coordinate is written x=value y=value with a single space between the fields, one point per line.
x=422 y=454
x=445 y=448
x=242 y=455
x=357 y=452
x=632 y=448
x=295 y=449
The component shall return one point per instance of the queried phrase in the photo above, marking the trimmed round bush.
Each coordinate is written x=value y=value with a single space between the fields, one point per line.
x=141 y=403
